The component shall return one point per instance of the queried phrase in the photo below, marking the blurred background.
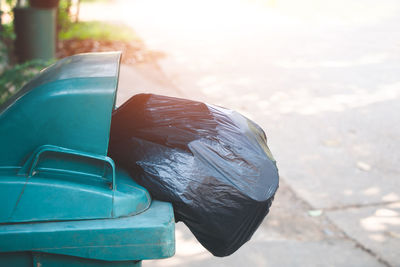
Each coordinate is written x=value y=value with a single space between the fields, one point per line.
x=321 y=77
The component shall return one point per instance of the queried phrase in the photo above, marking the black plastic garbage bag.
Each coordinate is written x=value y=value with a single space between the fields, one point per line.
x=211 y=163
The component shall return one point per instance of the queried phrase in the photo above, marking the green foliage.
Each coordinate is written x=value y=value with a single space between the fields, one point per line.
x=96 y=30
x=11 y=2
x=63 y=18
x=13 y=78
x=3 y=55
x=8 y=32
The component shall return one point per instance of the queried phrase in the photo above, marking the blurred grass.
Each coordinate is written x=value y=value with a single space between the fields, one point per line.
x=7 y=32
x=13 y=78
x=99 y=31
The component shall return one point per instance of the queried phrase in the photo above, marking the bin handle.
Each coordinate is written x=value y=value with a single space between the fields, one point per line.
x=29 y=167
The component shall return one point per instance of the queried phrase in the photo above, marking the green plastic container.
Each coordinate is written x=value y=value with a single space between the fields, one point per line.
x=35 y=30
x=64 y=202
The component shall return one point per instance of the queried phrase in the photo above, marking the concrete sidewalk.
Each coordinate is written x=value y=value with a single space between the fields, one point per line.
x=323 y=81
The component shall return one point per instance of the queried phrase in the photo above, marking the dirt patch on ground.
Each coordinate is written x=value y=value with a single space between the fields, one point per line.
x=290 y=216
x=132 y=52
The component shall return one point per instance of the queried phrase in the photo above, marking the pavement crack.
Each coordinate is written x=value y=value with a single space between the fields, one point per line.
x=342 y=233
x=367 y=250
x=359 y=245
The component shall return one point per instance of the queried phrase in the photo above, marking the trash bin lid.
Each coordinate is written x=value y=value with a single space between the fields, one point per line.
x=54 y=137
x=69 y=104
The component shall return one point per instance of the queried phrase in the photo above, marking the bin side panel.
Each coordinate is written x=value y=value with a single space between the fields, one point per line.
x=74 y=114
x=69 y=104
x=149 y=235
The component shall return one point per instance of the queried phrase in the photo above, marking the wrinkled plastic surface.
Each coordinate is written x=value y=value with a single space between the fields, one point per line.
x=212 y=163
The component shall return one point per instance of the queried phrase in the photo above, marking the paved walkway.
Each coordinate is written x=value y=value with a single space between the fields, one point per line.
x=323 y=80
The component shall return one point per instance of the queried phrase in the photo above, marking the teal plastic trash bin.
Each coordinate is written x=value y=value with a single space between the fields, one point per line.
x=63 y=201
